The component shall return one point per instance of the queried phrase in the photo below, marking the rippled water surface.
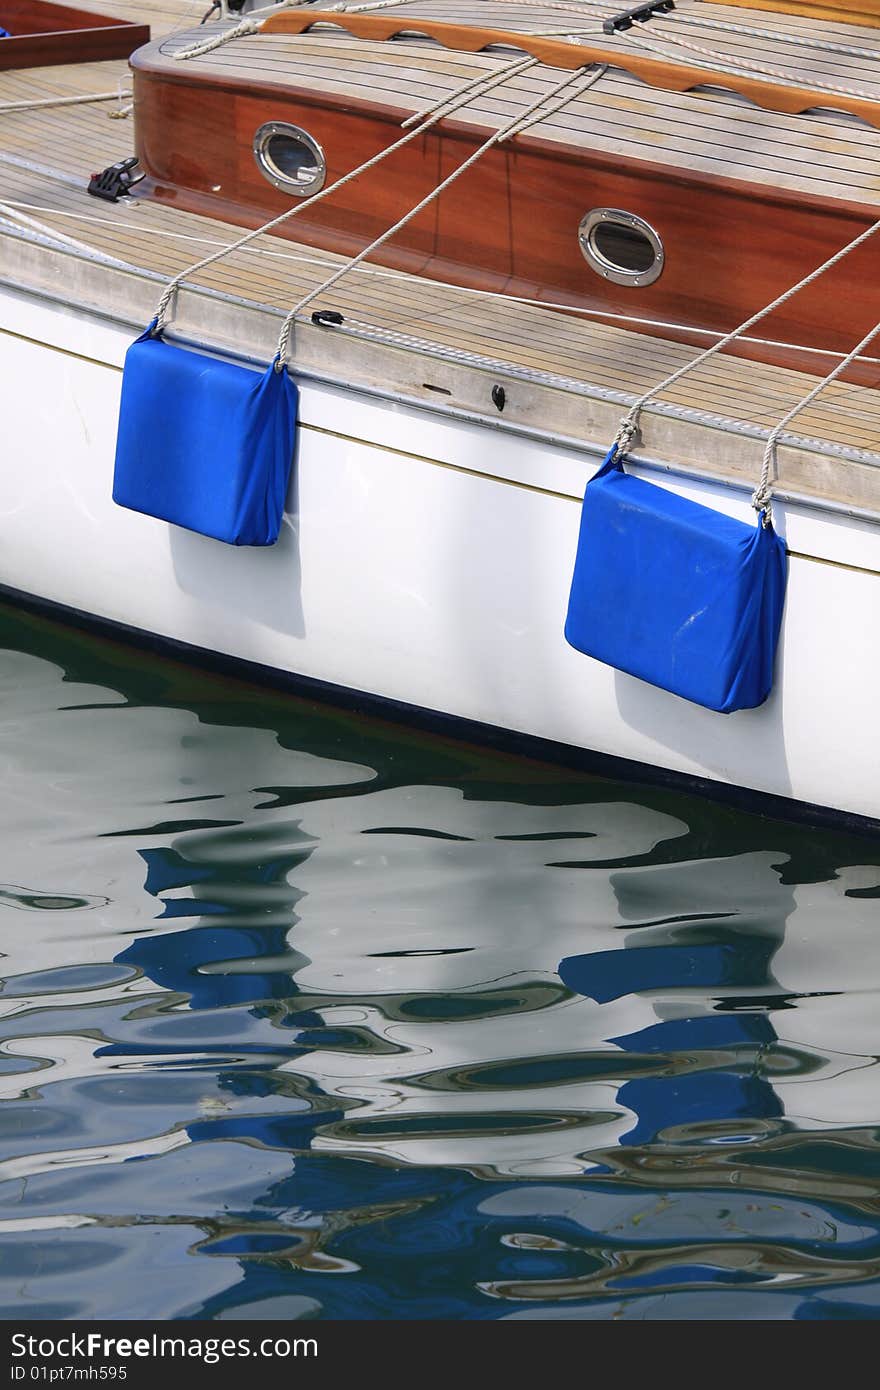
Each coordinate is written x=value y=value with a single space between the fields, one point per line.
x=307 y=1015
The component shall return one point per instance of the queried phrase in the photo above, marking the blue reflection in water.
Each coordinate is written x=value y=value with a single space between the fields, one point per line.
x=307 y=1016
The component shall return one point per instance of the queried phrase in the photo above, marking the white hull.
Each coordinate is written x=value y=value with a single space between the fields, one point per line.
x=425 y=559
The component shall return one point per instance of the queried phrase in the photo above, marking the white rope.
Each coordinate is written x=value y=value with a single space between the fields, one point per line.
x=501 y=134
x=692 y=17
x=492 y=79
x=824 y=45
x=761 y=497
x=239 y=31
x=61 y=238
x=732 y=66
x=741 y=67
x=630 y=422
x=250 y=24
x=172 y=286
x=377 y=5
x=591 y=78
x=373 y=272
x=62 y=101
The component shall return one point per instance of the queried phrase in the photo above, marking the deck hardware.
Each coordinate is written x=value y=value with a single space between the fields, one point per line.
x=290 y=158
x=499 y=397
x=621 y=247
x=115 y=181
x=640 y=14
x=327 y=316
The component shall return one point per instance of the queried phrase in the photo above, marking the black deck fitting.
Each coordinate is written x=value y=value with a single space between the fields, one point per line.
x=115 y=181
x=639 y=15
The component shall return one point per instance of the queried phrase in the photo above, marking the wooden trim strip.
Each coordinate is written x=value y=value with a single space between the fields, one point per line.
x=558 y=53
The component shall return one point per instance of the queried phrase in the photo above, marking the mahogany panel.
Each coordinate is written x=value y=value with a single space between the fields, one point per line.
x=510 y=223
x=43 y=34
x=864 y=12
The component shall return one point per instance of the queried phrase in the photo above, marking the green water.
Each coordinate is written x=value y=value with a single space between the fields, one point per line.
x=308 y=1015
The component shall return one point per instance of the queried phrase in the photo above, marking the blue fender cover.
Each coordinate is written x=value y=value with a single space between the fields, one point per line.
x=676 y=593
x=204 y=443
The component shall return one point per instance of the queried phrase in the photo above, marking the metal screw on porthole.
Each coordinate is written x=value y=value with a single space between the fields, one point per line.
x=290 y=158
x=621 y=247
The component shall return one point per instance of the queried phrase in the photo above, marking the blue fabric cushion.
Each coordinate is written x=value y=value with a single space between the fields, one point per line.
x=204 y=443
x=676 y=593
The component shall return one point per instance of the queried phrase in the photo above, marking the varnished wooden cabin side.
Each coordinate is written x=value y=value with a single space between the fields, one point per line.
x=42 y=35
x=510 y=224
x=858 y=12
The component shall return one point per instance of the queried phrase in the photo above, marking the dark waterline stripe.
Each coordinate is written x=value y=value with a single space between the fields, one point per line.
x=528 y=746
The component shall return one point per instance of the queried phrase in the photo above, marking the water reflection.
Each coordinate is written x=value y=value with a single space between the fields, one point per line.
x=291 y=994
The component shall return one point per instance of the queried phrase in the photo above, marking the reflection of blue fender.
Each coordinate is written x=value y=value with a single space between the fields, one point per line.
x=663 y=1103
x=714 y=1030
x=292 y=1131
x=166 y=870
x=607 y=975
x=173 y=959
x=417 y=1239
x=710 y=1095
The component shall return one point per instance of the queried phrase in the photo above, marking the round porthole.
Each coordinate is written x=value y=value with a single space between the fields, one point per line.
x=290 y=158
x=621 y=247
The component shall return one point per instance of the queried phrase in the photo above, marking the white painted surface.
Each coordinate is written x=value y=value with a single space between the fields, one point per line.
x=420 y=582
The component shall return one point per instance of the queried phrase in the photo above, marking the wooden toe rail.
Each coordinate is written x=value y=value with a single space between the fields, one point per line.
x=561 y=53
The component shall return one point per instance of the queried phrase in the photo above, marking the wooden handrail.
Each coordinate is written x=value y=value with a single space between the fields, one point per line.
x=560 y=53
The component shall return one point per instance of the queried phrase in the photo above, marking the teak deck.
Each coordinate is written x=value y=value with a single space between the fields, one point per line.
x=746 y=201
x=566 y=374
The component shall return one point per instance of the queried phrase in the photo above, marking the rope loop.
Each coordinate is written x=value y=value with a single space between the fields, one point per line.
x=168 y=294
x=244 y=27
x=761 y=498
x=762 y=493
x=627 y=430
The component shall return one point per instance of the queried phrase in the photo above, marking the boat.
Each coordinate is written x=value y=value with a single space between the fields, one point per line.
x=575 y=221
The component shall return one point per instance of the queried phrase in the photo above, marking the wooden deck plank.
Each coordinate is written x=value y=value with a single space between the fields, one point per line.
x=829 y=155
x=586 y=353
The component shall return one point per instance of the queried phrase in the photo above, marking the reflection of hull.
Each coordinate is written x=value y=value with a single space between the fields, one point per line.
x=426 y=560
x=361 y=961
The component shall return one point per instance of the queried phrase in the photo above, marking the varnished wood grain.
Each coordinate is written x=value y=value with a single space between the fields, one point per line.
x=584 y=355
x=558 y=53
x=43 y=34
x=863 y=12
x=510 y=224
